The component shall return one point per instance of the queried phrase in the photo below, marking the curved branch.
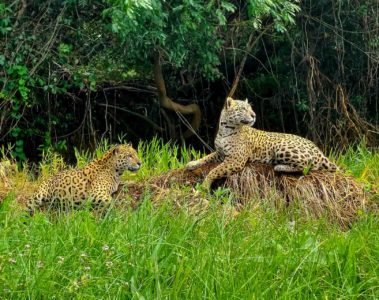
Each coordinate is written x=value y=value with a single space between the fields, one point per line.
x=166 y=102
x=21 y=11
x=149 y=90
x=250 y=44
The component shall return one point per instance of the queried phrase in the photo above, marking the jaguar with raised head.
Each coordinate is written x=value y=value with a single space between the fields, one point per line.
x=96 y=182
x=237 y=143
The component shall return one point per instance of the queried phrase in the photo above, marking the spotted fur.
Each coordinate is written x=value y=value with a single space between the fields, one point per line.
x=96 y=182
x=237 y=143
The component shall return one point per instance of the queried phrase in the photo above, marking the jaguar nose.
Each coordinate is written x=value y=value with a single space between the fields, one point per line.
x=139 y=164
x=135 y=168
x=253 y=117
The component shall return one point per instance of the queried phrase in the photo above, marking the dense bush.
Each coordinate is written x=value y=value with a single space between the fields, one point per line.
x=73 y=72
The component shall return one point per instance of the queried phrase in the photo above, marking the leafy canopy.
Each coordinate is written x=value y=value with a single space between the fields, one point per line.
x=188 y=32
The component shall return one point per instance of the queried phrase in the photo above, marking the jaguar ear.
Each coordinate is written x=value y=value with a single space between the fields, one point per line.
x=229 y=102
x=116 y=150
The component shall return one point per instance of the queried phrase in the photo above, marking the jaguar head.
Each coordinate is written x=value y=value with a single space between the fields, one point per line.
x=237 y=112
x=126 y=158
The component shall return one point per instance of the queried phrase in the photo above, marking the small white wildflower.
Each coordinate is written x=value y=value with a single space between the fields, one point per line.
x=75 y=284
x=105 y=248
x=83 y=255
x=87 y=268
x=60 y=259
x=291 y=226
x=12 y=260
x=108 y=264
x=27 y=246
x=40 y=264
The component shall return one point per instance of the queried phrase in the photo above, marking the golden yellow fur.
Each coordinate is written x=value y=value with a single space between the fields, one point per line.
x=237 y=143
x=96 y=182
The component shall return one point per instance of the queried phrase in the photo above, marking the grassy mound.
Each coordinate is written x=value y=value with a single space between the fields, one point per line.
x=336 y=196
x=181 y=243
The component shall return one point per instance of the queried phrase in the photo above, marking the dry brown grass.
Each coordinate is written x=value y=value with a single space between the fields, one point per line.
x=335 y=196
x=13 y=181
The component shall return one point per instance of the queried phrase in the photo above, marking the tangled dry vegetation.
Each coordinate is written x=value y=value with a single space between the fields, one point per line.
x=336 y=196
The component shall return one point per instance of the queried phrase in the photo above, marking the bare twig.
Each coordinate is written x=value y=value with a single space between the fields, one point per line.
x=155 y=126
x=250 y=44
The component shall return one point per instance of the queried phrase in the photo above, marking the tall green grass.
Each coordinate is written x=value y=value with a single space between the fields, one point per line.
x=362 y=163
x=157 y=157
x=166 y=253
x=160 y=157
x=154 y=254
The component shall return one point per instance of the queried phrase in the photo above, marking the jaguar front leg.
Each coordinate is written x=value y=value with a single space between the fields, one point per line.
x=101 y=193
x=229 y=166
x=195 y=164
x=38 y=199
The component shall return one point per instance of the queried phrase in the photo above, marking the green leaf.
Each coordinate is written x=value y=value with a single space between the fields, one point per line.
x=64 y=48
x=229 y=7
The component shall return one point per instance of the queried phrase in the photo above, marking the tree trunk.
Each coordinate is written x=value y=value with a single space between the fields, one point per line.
x=166 y=102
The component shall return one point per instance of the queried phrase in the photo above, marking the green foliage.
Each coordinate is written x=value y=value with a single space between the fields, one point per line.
x=283 y=12
x=16 y=84
x=363 y=164
x=5 y=20
x=39 y=71
x=56 y=64
x=35 y=68
x=186 y=32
